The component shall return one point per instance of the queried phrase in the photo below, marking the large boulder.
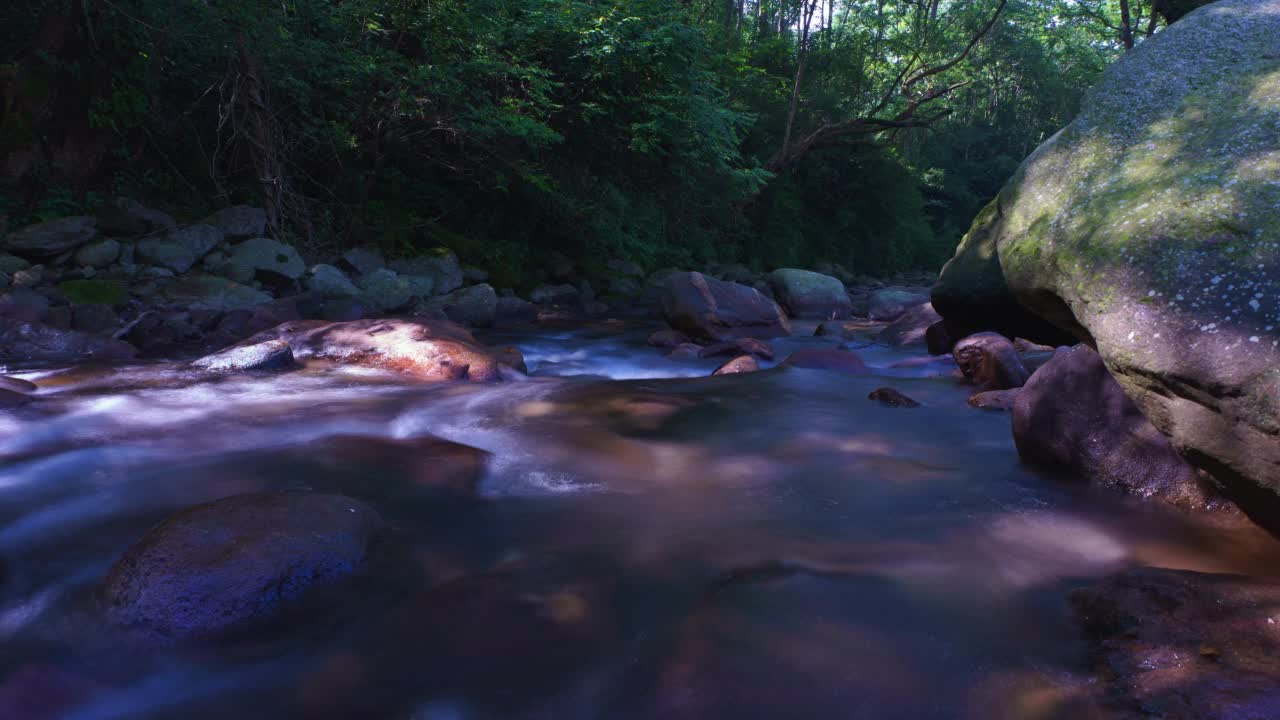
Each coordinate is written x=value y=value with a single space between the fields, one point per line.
x=1148 y=228
x=710 y=309
x=805 y=294
x=972 y=295
x=50 y=239
x=429 y=350
x=1073 y=416
x=1177 y=644
x=231 y=564
x=178 y=250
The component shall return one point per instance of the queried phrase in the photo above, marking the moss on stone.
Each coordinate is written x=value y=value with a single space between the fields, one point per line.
x=94 y=292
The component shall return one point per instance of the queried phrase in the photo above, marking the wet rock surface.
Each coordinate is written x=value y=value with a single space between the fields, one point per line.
x=238 y=562
x=990 y=361
x=429 y=350
x=1074 y=416
x=714 y=310
x=1185 y=645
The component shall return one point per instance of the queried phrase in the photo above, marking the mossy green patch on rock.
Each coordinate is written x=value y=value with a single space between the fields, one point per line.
x=94 y=292
x=1151 y=226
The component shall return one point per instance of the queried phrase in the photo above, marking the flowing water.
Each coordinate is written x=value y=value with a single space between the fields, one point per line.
x=648 y=542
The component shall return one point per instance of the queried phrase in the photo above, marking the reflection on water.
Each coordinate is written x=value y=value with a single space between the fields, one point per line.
x=646 y=542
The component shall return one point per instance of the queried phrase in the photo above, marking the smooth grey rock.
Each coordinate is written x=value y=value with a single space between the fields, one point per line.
x=266 y=355
x=328 y=281
x=180 y=249
x=99 y=254
x=50 y=239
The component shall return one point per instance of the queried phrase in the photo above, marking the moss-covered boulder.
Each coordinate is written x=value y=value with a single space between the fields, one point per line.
x=972 y=296
x=805 y=294
x=1150 y=228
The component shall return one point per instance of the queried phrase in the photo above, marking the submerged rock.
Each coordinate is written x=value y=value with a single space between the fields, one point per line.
x=892 y=398
x=990 y=361
x=1148 y=229
x=667 y=339
x=1185 y=645
x=12 y=399
x=1073 y=415
x=997 y=400
x=911 y=327
x=845 y=361
x=805 y=294
x=710 y=309
x=749 y=346
x=237 y=562
x=429 y=350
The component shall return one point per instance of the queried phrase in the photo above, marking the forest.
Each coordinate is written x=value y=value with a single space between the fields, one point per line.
x=770 y=132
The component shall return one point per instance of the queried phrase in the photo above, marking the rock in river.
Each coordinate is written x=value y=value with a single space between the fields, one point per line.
x=1073 y=415
x=1148 y=229
x=1185 y=645
x=806 y=294
x=714 y=310
x=430 y=350
x=237 y=562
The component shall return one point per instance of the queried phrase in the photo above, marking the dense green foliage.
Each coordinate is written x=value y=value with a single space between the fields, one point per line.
x=506 y=129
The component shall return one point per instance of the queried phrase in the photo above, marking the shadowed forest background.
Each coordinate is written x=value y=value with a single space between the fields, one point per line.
x=770 y=132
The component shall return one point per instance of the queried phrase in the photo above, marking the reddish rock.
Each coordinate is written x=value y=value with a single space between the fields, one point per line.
x=17 y=385
x=997 y=400
x=738 y=365
x=845 y=361
x=747 y=346
x=685 y=351
x=1184 y=645
x=1073 y=415
x=426 y=462
x=892 y=398
x=429 y=350
x=990 y=361
x=910 y=327
x=667 y=339
x=715 y=310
